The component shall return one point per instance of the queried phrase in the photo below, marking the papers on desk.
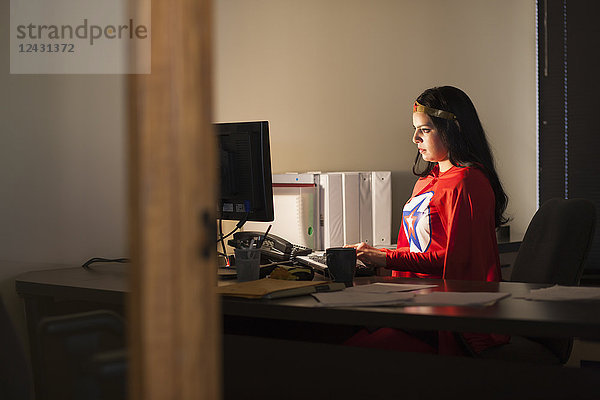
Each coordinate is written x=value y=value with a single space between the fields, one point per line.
x=398 y=294
x=564 y=293
x=473 y=299
x=330 y=294
x=375 y=294
x=387 y=288
x=349 y=298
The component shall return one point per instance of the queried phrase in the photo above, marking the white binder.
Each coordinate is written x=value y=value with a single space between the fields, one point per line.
x=323 y=210
x=365 y=207
x=381 y=194
x=331 y=209
x=350 y=207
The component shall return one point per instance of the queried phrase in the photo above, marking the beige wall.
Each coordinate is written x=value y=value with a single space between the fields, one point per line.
x=337 y=78
x=62 y=170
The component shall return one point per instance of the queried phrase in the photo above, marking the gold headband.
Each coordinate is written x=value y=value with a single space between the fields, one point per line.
x=433 y=112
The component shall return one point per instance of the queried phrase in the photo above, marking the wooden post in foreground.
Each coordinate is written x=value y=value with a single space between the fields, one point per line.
x=173 y=308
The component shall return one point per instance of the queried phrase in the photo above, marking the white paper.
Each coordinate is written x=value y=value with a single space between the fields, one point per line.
x=564 y=293
x=381 y=287
x=354 y=297
x=347 y=298
x=458 y=298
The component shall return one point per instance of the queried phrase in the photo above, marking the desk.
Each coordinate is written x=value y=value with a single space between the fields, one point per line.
x=510 y=315
x=46 y=292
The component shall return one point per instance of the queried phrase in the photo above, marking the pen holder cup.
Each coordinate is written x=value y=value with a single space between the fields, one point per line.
x=341 y=263
x=247 y=264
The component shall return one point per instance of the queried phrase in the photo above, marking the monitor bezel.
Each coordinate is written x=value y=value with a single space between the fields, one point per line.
x=264 y=211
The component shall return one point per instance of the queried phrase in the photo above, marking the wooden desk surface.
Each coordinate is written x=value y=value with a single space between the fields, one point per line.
x=108 y=283
x=104 y=283
x=277 y=359
x=510 y=315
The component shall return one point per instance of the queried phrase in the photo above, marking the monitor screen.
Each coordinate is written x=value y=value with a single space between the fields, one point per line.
x=245 y=170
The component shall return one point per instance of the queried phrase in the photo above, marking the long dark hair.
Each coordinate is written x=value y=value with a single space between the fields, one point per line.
x=466 y=141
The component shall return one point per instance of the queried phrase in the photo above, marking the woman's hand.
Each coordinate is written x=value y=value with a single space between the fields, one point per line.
x=369 y=254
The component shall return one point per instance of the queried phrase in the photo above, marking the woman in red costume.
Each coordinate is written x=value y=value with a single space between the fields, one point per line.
x=448 y=224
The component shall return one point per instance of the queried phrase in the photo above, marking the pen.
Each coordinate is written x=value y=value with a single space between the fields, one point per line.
x=264 y=237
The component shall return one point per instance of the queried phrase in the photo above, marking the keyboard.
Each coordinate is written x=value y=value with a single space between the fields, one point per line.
x=318 y=260
x=298 y=250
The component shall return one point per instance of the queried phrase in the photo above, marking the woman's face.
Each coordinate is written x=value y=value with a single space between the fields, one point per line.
x=429 y=142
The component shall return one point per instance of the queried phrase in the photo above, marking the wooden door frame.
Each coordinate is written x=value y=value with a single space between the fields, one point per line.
x=173 y=309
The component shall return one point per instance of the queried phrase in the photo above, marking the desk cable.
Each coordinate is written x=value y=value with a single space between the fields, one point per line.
x=93 y=260
x=223 y=237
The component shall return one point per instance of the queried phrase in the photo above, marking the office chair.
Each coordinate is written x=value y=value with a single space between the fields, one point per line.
x=82 y=356
x=15 y=374
x=556 y=243
x=554 y=249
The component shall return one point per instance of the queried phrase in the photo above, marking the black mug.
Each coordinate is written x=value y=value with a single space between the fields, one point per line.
x=341 y=263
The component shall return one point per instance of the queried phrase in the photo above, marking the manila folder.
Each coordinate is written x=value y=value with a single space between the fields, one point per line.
x=275 y=288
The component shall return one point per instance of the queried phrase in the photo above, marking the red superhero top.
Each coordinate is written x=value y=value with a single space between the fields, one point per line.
x=448 y=228
x=448 y=232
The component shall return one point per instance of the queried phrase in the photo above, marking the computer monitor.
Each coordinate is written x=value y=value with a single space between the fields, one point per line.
x=245 y=171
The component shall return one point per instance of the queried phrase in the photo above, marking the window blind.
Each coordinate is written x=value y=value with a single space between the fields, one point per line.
x=569 y=104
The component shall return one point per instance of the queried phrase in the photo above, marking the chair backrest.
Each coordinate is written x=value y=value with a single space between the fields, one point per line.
x=556 y=243
x=554 y=250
